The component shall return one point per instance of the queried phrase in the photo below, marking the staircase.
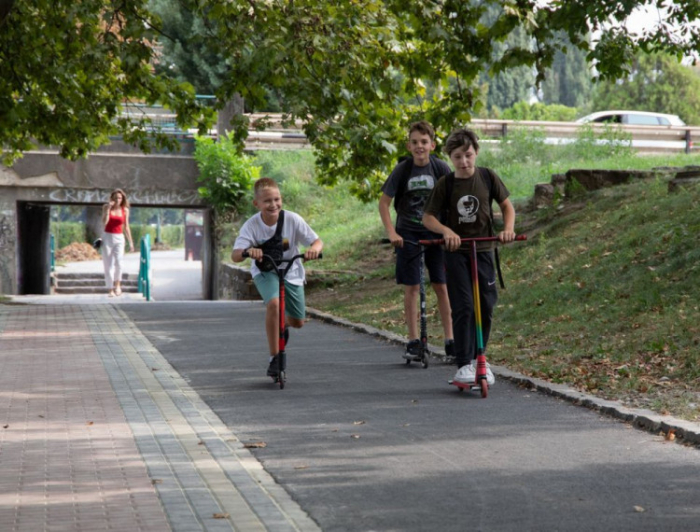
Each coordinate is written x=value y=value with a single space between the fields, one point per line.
x=90 y=283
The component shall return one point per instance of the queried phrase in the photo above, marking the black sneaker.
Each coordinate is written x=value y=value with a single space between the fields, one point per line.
x=450 y=357
x=413 y=348
x=273 y=370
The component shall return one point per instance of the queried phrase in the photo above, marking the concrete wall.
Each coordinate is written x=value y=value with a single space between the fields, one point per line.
x=236 y=283
x=42 y=177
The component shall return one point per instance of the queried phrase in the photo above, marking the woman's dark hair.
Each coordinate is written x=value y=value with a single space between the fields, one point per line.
x=461 y=137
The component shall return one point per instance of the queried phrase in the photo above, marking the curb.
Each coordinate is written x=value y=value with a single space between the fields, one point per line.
x=683 y=431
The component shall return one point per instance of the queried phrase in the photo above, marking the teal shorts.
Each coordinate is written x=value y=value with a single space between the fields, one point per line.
x=268 y=284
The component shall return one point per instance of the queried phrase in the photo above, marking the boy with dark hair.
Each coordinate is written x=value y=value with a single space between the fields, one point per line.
x=467 y=214
x=409 y=185
x=258 y=235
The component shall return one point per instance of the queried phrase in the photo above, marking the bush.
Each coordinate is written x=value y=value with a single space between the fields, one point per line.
x=540 y=112
x=226 y=174
x=66 y=233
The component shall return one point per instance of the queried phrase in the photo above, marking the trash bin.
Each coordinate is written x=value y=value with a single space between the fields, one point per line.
x=194 y=234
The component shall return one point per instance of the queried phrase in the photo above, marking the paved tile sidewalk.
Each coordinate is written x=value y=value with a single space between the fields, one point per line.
x=67 y=455
x=98 y=432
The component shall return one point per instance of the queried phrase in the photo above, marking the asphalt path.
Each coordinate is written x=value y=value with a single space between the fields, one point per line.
x=365 y=443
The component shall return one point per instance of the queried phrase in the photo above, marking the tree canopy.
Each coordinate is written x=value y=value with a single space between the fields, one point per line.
x=354 y=72
x=66 y=68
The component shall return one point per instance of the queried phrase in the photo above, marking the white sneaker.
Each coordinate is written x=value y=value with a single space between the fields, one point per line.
x=490 y=379
x=465 y=374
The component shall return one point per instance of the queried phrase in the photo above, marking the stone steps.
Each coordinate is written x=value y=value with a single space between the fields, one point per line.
x=90 y=283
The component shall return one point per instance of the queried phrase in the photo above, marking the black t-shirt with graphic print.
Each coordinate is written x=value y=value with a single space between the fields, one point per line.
x=412 y=202
x=470 y=210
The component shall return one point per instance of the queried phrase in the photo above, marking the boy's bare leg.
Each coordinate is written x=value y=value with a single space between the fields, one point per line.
x=443 y=302
x=410 y=303
x=272 y=325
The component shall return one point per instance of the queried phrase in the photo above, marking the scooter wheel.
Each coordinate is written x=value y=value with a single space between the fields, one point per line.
x=408 y=361
x=424 y=362
x=282 y=378
x=484 y=389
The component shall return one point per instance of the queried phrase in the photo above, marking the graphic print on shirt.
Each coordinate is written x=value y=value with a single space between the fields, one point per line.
x=467 y=206
x=418 y=189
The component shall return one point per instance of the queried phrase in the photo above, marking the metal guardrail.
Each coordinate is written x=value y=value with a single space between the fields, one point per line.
x=278 y=132
x=144 y=280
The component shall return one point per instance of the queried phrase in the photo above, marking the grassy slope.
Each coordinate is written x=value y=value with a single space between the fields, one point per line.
x=604 y=296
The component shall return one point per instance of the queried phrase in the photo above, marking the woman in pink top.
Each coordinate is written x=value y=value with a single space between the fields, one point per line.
x=115 y=218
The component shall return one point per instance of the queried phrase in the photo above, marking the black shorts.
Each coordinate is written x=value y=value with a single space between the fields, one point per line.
x=408 y=259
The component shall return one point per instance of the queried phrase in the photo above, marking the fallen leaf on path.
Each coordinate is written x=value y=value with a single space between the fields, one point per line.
x=355 y=436
x=5 y=426
x=221 y=516
x=671 y=435
x=358 y=422
x=301 y=467
x=90 y=423
x=155 y=481
x=639 y=509
x=255 y=445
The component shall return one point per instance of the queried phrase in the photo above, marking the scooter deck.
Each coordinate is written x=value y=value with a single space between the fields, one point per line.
x=471 y=386
x=423 y=359
x=464 y=385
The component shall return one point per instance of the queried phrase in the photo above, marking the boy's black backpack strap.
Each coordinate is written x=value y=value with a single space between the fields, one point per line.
x=449 y=188
x=490 y=181
x=273 y=247
x=405 y=166
x=280 y=225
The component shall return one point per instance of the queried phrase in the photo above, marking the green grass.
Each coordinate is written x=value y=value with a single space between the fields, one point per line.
x=604 y=295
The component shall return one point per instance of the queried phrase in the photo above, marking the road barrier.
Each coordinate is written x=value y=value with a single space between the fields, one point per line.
x=645 y=138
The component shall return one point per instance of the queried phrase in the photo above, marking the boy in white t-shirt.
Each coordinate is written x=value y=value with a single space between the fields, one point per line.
x=257 y=231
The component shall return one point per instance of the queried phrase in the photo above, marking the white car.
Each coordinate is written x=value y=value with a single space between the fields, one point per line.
x=633 y=118
x=640 y=118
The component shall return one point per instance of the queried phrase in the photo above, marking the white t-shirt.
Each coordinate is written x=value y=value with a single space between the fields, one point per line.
x=254 y=232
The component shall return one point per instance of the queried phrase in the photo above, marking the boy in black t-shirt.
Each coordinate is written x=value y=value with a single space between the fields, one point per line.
x=408 y=186
x=469 y=216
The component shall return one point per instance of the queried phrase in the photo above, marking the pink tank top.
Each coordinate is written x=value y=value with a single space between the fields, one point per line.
x=115 y=224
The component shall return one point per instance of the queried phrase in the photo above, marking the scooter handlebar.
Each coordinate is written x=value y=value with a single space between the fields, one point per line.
x=441 y=241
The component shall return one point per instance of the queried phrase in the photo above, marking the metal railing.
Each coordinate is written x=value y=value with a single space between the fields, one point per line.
x=144 y=281
x=658 y=138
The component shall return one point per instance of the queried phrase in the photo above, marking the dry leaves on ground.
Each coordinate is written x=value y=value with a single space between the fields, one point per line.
x=77 y=252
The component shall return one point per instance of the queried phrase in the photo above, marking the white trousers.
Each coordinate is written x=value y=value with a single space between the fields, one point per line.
x=112 y=255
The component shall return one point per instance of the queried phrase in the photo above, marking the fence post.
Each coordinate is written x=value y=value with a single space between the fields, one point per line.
x=144 y=281
x=688 y=141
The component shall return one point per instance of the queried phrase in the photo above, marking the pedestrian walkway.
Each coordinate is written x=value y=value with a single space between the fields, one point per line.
x=173 y=277
x=99 y=432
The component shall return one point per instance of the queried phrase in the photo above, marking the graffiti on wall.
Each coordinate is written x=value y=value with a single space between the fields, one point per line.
x=145 y=197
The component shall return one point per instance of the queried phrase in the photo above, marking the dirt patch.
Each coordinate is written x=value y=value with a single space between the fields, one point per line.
x=77 y=252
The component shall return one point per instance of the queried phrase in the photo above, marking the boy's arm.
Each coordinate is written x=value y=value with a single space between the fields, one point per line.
x=508 y=233
x=385 y=215
x=452 y=240
x=314 y=250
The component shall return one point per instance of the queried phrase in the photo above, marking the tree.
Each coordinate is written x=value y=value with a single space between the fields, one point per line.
x=568 y=81
x=657 y=83
x=507 y=87
x=184 y=55
x=350 y=70
x=66 y=67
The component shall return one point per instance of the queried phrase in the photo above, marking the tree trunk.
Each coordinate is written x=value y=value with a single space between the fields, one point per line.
x=232 y=108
